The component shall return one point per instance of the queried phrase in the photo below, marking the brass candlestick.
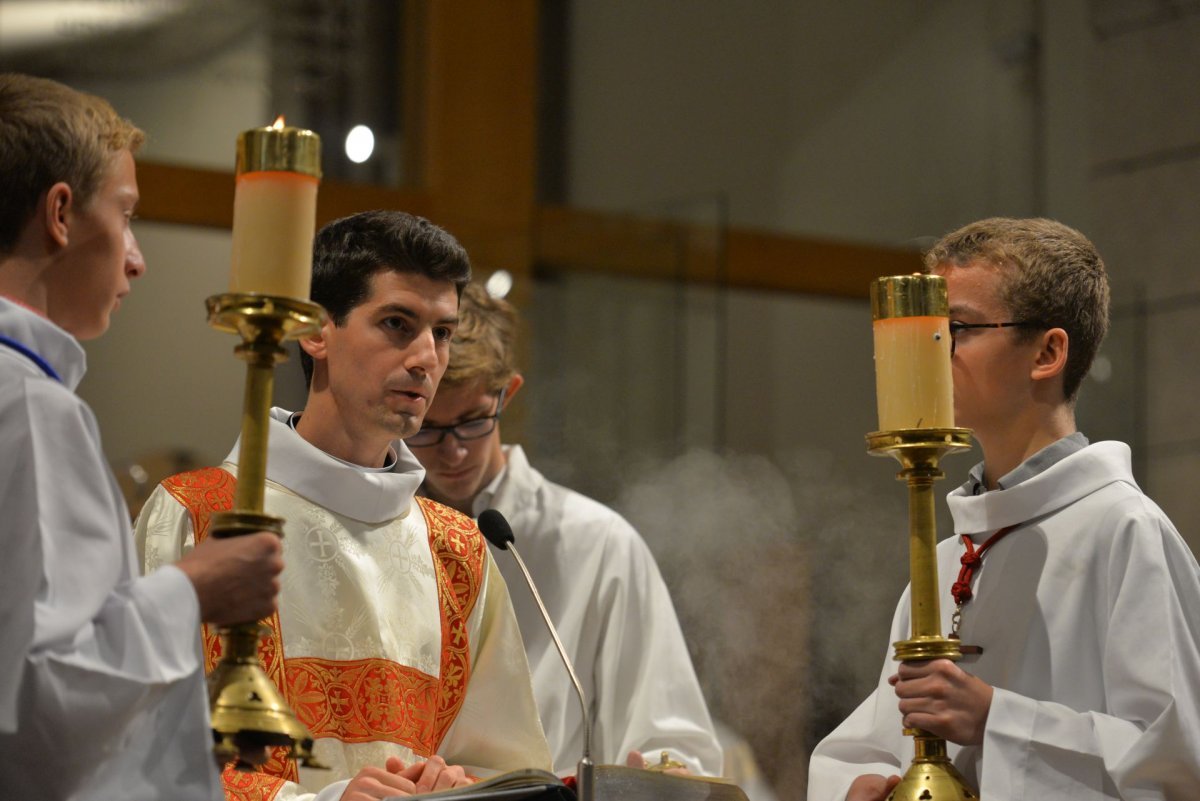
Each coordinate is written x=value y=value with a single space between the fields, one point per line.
x=931 y=777
x=915 y=389
x=249 y=713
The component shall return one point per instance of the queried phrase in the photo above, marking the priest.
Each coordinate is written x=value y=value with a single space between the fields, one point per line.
x=395 y=642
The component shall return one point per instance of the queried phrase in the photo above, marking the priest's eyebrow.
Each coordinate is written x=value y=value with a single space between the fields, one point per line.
x=404 y=311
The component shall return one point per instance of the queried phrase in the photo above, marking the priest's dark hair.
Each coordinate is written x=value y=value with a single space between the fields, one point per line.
x=348 y=252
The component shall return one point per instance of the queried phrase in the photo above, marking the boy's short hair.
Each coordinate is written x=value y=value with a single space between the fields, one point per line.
x=483 y=349
x=349 y=252
x=51 y=133
x=1052 y=275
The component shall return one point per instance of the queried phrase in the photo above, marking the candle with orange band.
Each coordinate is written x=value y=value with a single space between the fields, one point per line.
x=914 y=388
x=275 y=210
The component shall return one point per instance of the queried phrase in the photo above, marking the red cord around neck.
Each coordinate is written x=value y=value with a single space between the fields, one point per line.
x=971 y=560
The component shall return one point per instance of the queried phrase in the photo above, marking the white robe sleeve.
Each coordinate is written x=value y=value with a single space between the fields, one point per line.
x=93 y=646
x=1146 y=743
x=1136 y=619
x=647 y=696
x=497 y=725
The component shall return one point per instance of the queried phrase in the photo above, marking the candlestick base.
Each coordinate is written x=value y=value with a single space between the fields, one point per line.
x=932 y=776
x=249 y=713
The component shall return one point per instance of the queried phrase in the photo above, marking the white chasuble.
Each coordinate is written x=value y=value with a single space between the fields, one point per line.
x=395 y=636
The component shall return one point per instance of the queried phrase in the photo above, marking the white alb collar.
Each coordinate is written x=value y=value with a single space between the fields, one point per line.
x=342 y=488
x=60 y=350
x=1063 y=483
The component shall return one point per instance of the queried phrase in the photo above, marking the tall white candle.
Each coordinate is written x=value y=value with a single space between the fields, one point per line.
x=913 y=383
x=275 y=210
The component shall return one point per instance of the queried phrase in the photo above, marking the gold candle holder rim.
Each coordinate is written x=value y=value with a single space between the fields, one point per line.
x=282 y=149
x=881 y=443
x=915 y=295
x=246 y=312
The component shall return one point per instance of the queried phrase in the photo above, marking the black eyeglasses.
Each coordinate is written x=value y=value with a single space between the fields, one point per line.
x=956 y=328
x=475 y=428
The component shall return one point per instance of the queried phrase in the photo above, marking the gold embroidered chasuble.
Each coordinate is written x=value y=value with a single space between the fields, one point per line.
x=370 y=699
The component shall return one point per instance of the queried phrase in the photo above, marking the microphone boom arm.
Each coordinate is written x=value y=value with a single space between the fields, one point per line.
x=587 y=718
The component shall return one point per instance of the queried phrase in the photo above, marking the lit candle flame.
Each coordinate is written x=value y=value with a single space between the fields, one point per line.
x=278 y=126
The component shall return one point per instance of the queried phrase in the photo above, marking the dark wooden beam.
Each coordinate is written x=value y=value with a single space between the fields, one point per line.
x=570 y=239
x=196 y=196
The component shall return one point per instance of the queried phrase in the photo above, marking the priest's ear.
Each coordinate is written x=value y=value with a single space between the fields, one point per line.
x=316 y=346
x=314 y=349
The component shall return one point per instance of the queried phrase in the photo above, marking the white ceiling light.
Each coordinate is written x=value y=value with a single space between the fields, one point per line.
x=360 y=144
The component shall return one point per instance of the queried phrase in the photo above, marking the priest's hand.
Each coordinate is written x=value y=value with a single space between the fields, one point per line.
x=943 y=699
x=236 y=578
x=872 y=787
x=434 y=774
x=373 y=783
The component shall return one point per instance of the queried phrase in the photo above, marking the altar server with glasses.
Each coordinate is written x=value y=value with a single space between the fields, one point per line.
x=1079 y=599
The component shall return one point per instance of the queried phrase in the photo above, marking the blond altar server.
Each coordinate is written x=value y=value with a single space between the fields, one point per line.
x=395 y=641
x=101 y=689
x=1086 y=602
x=598 y=579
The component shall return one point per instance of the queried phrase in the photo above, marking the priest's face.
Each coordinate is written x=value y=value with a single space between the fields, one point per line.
x=100 y=257
x=991 y=366
x=456 y=469
x=384 y=362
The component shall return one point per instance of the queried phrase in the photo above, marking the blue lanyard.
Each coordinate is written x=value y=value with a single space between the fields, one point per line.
x=29 y=354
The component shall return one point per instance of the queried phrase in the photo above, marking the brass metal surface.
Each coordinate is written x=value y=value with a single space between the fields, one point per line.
x=665 y=763
x=931 y=776
x=284 y=148
x=916 y=295
x=249 y=714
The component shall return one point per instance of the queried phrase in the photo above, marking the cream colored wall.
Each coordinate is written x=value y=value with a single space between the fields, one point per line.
x=1144 y=170
x=161 y=379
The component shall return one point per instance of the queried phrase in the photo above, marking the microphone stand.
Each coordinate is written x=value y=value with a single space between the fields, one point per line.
x=497 y=531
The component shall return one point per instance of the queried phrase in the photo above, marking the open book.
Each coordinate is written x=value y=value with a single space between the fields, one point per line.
x=527 y=784
x=612 y=783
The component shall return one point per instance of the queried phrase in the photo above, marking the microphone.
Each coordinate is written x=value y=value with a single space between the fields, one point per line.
x=498 y=532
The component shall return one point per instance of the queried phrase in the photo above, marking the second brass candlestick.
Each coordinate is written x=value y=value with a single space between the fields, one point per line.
x=249 y=713
x=932 y=776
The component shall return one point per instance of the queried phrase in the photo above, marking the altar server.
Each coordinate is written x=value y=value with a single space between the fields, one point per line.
x=596 y=575
x=1087 y=602
x=102 y=691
